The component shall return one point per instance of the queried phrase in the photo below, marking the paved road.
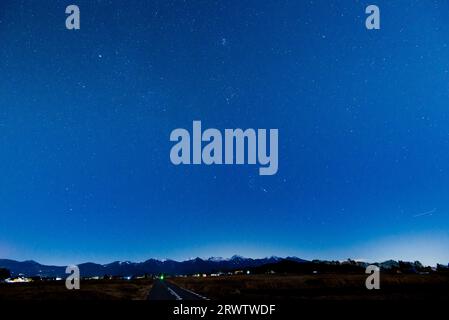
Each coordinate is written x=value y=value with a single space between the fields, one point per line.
x=163 y=290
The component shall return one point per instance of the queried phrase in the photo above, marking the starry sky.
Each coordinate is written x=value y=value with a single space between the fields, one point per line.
x=86 y=115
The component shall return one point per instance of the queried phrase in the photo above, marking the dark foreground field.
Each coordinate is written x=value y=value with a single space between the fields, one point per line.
x=90 y=290
x=319 y=287
x=243 y=288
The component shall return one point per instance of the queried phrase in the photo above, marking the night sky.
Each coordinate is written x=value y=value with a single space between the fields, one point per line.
x=86 y=116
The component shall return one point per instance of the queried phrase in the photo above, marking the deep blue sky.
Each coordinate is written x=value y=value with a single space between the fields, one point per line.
x=85 y=119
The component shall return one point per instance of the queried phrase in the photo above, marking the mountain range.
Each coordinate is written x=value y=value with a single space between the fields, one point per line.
x=152 y=267
x=212 y=265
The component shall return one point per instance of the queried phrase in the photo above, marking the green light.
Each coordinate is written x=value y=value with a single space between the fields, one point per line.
x=162 y=277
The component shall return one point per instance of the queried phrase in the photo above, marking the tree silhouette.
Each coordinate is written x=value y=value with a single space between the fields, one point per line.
x=4 y=274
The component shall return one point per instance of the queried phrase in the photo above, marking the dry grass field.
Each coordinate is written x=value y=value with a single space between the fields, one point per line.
x=90 y=290
x=319 y=287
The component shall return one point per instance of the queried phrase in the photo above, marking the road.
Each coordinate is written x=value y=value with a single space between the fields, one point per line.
x=163 y=290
